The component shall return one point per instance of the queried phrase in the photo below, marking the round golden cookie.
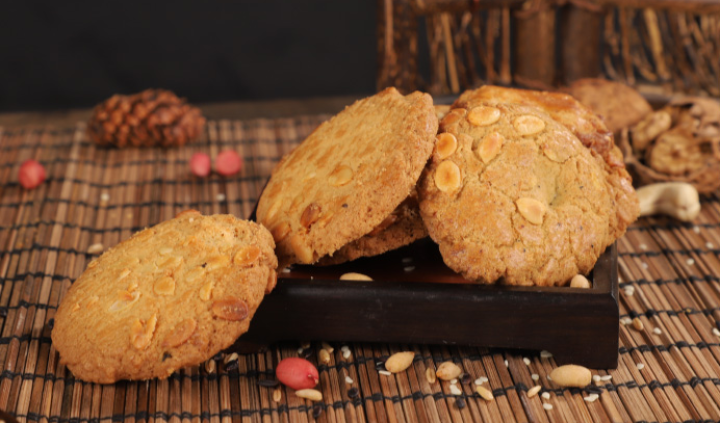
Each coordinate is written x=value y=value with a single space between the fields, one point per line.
x=510 y=193
x=171 y=296
x=620 y=105
x=348 y=175
x=402 y=227
x=585 y=125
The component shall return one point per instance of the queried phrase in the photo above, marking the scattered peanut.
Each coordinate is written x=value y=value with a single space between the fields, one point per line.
x=31 y=174
x=228 y=162
x=430 y=375
x=579 y=281
x=95 y=248
x=352 y=276
x=676 y=199
x=277 y=395
x=324 y=356
x=571 y=375
x=200 y=164
x=448 y=371
x=637 y=324
x=327 y=347
x=297 y=373
x=400 y=361
x=484 y=392
x=309 y=394
x=533 y=391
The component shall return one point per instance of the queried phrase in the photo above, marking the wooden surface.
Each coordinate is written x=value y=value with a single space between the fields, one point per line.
x=667 y=370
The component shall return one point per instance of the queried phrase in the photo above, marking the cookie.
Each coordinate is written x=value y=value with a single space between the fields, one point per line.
x=348 y=175
x=171 y=296
x=511 y=193
x=402 y=227
x=619 y=105
x=586 y=126
x=441 y=110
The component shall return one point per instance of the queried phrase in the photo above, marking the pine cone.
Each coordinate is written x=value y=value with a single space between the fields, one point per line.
x=147 y=119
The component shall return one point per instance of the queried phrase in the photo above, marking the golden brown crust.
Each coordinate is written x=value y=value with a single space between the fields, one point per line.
x=171 y=296
x=402 y=227
x=519 y=198
x=619 y=105
x=586 y=126
x=348 y=175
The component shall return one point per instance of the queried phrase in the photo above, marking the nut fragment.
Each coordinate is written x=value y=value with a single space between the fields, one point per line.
x=445 y=145
x=637 y=324
x=280 y=231
x=571 y=375
x=194 y=274
x=126 y=299
x=483 y=115
x=310 y=394
x=302 y=251
x=533 y=391
x=528 y=124
x=531 y=209
x=206 y=290
x=399 y=361
x=182 y=332
x=141 y=332
x=230 y=308
x=310 y=215
x=95 y=248
x=277 y=395
x=448 y=178
x=448 y=371
x=430 y=375
x=484 y=392
x=324 y=356
x=210 y=366
x=164 y=286
x=579 y=281
x=246 y=255
x=327 y=347
x=489 y=147
x=217 y=262
x=353 y=276
x=340 y=176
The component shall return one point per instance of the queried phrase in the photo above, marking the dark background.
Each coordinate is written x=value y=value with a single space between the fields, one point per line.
x=56 y=55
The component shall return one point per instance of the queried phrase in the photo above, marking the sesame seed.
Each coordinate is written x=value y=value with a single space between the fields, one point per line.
x=606 y=378
x=384 y=372
x=286 y=270
x=644 y=265
x=640 y=366
x=709 y=245
x=346 y=354
x=696 y=229
x=220 y=197
x=596 y=378
x=547 y=406
x=349 y=380
x=481 y=380
x=300 y=350
x=716 y=331
x=591 y=397
x=507 y=364
x=95 y=248
x=454 y=381
x=526 y=361
x=657 y=331
x=629 y=291
x=548 y=377
x=455 y=390
x=407 y=260
x=545 y=354
x=533 y=391
x=535 y=376
x=690 y=262
x=546 y=395
x=626 y=321
x=643 y=246
x=408 y=268
x=105 y=197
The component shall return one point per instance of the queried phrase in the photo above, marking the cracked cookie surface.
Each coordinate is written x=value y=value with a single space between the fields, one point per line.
x=171 y=296
x=588 y=127
x=515 y=195
x=348 y=176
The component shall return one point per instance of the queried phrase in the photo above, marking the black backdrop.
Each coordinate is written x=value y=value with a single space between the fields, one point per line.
x=74 y=54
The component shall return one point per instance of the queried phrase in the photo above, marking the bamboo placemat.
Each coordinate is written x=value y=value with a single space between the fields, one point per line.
x=670 y=280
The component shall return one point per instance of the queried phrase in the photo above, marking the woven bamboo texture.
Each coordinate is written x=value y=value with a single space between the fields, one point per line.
x=668 y=370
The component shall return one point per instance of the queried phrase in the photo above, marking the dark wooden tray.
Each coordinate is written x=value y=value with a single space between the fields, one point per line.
x=415 y=299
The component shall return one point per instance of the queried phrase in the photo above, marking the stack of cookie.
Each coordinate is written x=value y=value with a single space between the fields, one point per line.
x=517 y=186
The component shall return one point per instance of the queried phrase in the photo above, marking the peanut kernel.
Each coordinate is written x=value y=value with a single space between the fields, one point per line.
x=206 y=291
x=310 y=215
x=341 y=176
x=489 y=147
x=230 y=308
x=181 y=333
x=528 y=124
x=448 y=178
x=280 y=231
x=531 y=209
x=445 y=145
x=302 y=251
x=247 y=255
x=217 y=262
x=483 y=115
x=165 y=286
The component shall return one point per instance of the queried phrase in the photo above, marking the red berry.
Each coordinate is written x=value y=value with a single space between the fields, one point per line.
x=297 y=373
x=228 y=163
x=200 y=164
x=31 y=174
